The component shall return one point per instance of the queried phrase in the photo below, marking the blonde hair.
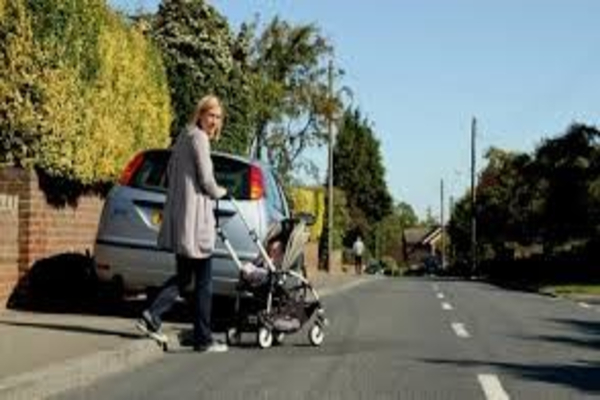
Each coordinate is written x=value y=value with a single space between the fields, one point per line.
x=205 y=104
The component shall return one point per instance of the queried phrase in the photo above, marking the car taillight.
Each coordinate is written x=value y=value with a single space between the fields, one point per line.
x=130 y=169
x=257 y=183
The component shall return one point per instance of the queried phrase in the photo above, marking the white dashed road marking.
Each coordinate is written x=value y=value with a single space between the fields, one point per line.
x=460 y=330
x=492 y=387
x=440 y=295
x=585 y=305
x=446 y=306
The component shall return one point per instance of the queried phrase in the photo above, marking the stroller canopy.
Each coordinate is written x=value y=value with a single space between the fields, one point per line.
x=294 y=236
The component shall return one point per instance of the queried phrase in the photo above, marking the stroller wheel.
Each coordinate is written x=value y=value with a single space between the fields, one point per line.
x=316 y=335
x=278 y=338
x=233 y=336
x=265 y=337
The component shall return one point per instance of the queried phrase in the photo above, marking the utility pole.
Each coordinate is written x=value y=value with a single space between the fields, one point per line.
x=473 y=198
x=443 y=232
x=330 y=168
x=450 y=214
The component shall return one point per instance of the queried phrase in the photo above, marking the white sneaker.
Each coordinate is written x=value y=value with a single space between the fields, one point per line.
x=214 y=347
x=143 y=327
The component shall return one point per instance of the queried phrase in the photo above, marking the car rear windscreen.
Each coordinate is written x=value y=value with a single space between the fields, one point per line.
x=230 y=173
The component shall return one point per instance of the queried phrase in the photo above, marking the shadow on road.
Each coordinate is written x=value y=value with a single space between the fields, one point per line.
x=581 y=375
x=587 y=334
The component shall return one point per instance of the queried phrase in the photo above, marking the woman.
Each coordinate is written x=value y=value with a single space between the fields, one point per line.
x=188 y=227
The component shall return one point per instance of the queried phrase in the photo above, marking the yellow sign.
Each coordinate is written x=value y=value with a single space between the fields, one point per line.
x=156 y=217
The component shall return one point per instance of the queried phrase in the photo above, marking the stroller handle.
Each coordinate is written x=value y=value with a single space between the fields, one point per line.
x=251 y=231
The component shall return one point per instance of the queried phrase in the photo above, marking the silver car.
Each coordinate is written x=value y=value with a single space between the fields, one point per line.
x=126 y=253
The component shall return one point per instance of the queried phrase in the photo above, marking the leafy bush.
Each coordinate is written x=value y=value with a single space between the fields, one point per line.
x=390 y=266
x=312 y=201
x=81 y=90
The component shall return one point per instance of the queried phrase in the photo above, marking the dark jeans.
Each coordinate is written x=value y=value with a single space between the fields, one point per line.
x=358 y=264
x=201 y=269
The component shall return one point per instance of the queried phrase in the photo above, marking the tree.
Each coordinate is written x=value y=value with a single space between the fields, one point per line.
x=358 y=170
x=429 y=220
x=505 y=202
x=568 y=167
x=459 y=231
x=201 y=57
x=406 y=214
x=392 y=227
x=289 y=91
x=550 y=197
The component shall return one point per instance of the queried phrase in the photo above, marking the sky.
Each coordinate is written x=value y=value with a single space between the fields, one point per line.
x=421 y=70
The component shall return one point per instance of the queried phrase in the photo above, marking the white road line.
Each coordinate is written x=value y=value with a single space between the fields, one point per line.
x=460 y=330
x=585 y=305
x=446 y=306
x=492 y=387
x=440 y=295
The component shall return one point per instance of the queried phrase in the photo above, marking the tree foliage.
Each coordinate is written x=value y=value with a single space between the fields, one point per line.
x=568 y=170
x=202 y=57
x=290 y=90
x=312 y=201
x=549 y=198
x=359 y=171
x=72 y=104
x=393 y=225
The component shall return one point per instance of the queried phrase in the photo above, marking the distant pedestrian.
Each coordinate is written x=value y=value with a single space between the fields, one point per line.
x=188 y=227
x=358 y=249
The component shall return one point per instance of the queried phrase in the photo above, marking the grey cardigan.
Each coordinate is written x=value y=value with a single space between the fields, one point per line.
x=188 y=227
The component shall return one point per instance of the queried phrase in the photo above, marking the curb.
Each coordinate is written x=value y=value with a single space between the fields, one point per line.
x=78 y=372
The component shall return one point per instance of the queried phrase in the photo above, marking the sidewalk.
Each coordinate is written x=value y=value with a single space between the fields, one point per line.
x=45 y=353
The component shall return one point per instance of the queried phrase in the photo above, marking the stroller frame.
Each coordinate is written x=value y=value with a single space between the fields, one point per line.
x=284 y=295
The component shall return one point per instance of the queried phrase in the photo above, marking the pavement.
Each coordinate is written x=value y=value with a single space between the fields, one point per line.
x=44 y=353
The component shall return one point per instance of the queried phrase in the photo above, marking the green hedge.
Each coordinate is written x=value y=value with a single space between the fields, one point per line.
x=312 y=201
x=80 y=89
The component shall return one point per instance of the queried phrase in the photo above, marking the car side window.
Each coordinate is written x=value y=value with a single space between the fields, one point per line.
x=284 y=203
x=274 y=195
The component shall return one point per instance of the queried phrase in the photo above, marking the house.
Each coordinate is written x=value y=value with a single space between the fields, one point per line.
x=420 y=244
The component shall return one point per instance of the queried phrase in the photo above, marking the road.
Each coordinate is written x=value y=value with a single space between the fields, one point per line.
x=400 y=339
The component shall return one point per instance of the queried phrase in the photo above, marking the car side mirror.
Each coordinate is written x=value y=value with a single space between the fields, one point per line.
x=308 y=218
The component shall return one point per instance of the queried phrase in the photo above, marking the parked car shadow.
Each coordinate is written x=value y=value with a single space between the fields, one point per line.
x=66 y=283
x=61 y=283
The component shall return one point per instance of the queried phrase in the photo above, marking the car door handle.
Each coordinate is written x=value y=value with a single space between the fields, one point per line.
x=221 y=213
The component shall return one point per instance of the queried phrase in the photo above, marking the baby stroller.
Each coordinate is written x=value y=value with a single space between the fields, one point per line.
x=273 y=298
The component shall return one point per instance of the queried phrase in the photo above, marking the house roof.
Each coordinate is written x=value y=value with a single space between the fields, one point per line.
x=421 y=235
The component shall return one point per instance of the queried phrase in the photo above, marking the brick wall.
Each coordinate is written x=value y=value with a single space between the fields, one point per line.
x=13 y=182
x=39 y=229
x=9 y=243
